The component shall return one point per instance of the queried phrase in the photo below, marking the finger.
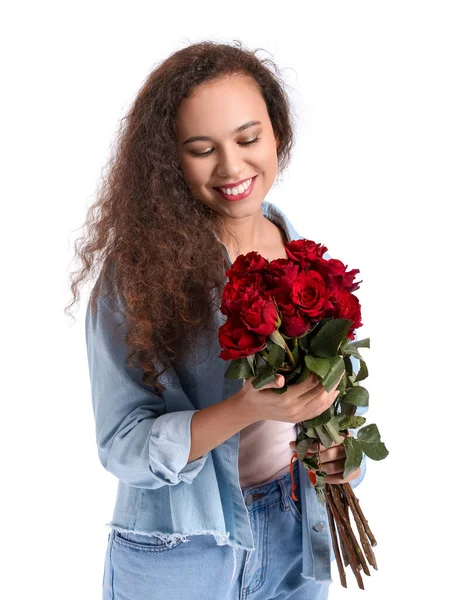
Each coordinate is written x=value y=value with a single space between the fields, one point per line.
x=317 y=447
x=334 y=467
x=332 y=454
x=337 y=478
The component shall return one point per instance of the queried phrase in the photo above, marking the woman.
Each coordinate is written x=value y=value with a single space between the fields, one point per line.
x=202 y=461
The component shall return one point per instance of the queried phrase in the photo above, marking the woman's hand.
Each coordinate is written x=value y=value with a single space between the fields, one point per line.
x=332 y=460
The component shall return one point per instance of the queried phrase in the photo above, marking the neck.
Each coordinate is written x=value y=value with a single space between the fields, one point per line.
x=249 y=232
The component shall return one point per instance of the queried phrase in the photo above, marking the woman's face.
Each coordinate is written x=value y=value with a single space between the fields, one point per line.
x=215 y=111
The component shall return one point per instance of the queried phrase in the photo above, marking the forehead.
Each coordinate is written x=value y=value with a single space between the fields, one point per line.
x=218 y=107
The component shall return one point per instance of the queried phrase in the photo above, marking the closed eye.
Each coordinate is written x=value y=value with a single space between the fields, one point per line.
x=240 y=143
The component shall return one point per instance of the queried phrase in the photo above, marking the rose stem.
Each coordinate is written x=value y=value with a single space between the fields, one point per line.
x=289 y=353
x=344 y=549
x=373 y=541
x=347 y=524
x=356 y=558
x=363 y=537
x=332 y=527
x=353 y=559
x=344 y=554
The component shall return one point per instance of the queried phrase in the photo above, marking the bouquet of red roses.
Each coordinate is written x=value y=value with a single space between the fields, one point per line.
x=296 y=316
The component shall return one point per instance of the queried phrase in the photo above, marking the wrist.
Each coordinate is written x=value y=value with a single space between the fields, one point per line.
x=242 y=409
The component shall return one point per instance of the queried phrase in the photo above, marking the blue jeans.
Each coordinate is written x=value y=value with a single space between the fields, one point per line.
x=141 y=567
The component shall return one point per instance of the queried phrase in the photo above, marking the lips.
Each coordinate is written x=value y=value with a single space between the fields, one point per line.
x=242 y=196
x=232 y=185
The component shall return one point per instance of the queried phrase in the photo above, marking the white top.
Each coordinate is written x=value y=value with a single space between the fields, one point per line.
x=264 y=451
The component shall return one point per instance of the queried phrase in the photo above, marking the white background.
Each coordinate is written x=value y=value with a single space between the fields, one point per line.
x=383 y=173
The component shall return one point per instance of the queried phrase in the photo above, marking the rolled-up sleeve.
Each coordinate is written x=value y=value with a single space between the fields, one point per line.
x=139 y=441
x=169 y=448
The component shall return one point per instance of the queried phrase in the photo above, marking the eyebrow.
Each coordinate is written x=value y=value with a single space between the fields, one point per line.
x=205 y=138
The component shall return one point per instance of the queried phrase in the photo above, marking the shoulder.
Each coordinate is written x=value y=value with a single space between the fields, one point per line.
x=107 y=289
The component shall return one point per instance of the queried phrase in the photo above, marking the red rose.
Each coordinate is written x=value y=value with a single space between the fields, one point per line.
x=311 y=294
x=239 y=290
x=293 y=322
x=333 y=271
x=246 y=264
x=281 y=273
x=237 y=341
x=305 y=251
x=346 y=306
x=260 y=315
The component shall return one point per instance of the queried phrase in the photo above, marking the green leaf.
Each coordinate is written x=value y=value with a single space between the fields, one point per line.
x=365 y=343
x=343 y=384
x=265 y=375
x=305 y=344
x=294 y=372
x=239 y=368
x=319 y=487
x=347 y=409
x=344 y=345
x=353 y=453
x=251 y=360
x=324 y=437
x=350 y=421
x=303 y=446
x=369 y=439
x=348 y=365
x=276 y=356
x=261 y=361
x=369 y=434
x=350 y=351
x=277 y=338
x=319 y=366
x=375 y=451
x=336 y=369
x=358 y=396
x=326 y=342
x=304 y=374
x=332 y=428
x=322 y=418
x=363 y=372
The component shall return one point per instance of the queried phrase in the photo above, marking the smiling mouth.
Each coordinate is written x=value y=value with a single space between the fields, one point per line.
x=238 y=195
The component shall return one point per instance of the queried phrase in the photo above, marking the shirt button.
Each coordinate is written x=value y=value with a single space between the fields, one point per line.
x=319 y=527
x=249 y=499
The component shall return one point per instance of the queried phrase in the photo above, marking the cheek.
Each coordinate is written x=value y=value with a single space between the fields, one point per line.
x=269 y=157
x=193 y=172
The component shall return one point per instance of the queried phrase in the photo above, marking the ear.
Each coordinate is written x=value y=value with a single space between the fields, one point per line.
x=277 y=141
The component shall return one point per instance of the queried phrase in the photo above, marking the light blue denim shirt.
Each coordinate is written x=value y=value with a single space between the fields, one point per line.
x=144 y=440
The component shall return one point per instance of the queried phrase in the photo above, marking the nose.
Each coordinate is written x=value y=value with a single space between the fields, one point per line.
x=229 y=163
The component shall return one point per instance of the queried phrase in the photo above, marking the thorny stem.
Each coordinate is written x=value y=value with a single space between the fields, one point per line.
x=373 y=541
x=346 y=522
x=339 y=497
x=354 y=563
x=350 y=500
x=332 y=527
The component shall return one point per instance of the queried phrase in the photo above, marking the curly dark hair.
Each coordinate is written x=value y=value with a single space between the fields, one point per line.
x=158 y=247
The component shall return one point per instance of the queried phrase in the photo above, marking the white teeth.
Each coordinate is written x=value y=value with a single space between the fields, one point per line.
x=238 y=189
